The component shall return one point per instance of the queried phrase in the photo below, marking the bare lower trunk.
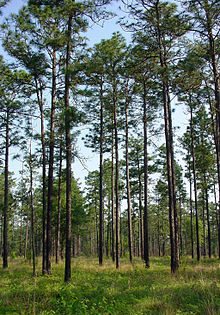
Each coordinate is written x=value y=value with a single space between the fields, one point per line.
x=51 y=160
x=5 y=229
x=59 y=208
x=116 y=178
x=39 y=91
x=113 y=203
x=146 y=241
x=191 y=213
x=68 y=156
x=208 y=221
x=32 y=215
x=130 y=241
x=195 y=183
x=101 y=182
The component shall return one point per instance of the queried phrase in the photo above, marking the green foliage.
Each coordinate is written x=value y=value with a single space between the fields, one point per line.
x=95 y=290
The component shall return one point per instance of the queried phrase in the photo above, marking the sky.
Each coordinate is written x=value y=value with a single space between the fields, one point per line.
x=94 y=34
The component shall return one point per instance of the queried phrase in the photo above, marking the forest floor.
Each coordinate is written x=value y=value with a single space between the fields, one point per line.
x=104 y=290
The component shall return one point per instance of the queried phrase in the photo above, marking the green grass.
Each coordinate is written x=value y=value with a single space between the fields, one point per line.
x=105 y=290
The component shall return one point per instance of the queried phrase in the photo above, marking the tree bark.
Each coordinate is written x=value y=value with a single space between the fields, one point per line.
x=5 y=230
x=59 y=207
x=116 y=174
x=214 y=60
x=140 y=208
x=44 y=226
x=191 y=212
x=68 y=156
x=51 y=160
x=130 y=241
x=208 y=219
x=146 y=241
x=113 y=200
x=101 y=180
x=32 y=213
x=195 y=183
x=173 y=218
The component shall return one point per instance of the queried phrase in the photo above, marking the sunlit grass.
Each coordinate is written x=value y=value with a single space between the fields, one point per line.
x=195 y=289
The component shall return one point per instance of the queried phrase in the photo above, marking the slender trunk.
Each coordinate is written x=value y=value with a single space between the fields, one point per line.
x=217 y=110
x=68 y=156
x=32 y=213
x=59 y=207
x=208 y=219
x=174 y=242
x=101 y=180
x=96 y=229
x=181 y=236
x=130 y=241
x=195 y=182
x=39 y=91
x=146 y=241
x=51 y=160
x=140 y=208
x=21 y=227
x=113 y=199
x=5 y=231
x=26 y=241
x=203 y=223
x=116 y=175
x=108 y=226
x=191 y=212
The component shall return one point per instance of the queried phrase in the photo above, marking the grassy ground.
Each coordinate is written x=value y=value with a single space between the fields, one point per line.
x=104 y=290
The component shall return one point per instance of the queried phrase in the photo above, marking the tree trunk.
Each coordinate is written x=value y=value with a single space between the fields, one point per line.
x=146 y=241
x=32 y=213
x=217 y=110
x=5 y=230
x=116 y=173
x=181 y=236
x=59 y=207
x=51 y=160
x=140 y=208
x=191 y=212
x=203 y=223
x=208 y=219
x=101 y=180
x=174 y=242
x=195 y=182
x=68 y=156
x=113 y=200
x=130 y=241
x=39 y=91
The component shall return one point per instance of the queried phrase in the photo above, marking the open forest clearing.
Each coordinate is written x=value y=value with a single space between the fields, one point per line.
x=195 y=289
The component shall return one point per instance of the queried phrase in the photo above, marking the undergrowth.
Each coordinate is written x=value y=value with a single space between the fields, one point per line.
x=195 y=289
